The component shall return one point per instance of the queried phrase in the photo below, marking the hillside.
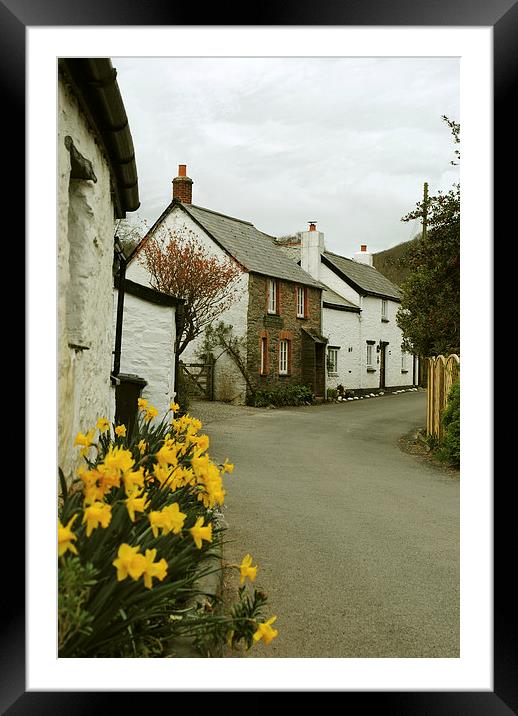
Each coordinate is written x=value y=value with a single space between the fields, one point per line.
x=391 y=262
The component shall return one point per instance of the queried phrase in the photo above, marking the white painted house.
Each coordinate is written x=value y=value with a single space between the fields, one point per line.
x=278 y=308
x=358 y=318
x=97 y=183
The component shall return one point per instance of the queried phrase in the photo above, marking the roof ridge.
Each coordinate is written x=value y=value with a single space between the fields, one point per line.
x=356 y=263
x=218 y=213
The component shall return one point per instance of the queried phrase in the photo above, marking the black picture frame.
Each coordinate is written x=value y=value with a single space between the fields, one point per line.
x=502 y=16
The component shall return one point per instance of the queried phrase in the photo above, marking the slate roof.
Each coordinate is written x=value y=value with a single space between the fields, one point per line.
x=330 y=297
x=366 y=279
x=253 y=249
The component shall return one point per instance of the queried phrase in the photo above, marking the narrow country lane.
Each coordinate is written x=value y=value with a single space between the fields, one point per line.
x=357 y=541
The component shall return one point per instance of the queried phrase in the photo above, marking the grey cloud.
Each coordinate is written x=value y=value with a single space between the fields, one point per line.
x=279 y=141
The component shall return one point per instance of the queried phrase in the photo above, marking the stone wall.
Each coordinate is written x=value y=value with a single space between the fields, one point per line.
x=85 y=285
x=275 y=327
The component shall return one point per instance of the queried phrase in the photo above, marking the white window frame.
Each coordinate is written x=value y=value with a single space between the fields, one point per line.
x=332 y=364
x=301 y=302
x=384 y=308
x=370 y=364
x=284 y=351
x=272 y=295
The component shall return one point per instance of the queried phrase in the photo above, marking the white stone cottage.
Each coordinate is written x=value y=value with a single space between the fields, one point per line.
x=358 y=317
x=278 y=310
x=97 y=184
x=145 y=353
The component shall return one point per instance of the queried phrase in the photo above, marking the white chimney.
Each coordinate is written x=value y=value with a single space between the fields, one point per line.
x=312 y=247
x=363 y=256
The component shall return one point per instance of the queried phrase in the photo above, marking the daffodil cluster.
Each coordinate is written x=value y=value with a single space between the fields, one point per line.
x=141 y=514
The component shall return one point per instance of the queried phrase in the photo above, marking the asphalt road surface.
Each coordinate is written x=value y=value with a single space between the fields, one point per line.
x=357 y=542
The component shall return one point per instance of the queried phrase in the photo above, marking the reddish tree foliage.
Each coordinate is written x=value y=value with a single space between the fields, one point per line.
x=180 y=266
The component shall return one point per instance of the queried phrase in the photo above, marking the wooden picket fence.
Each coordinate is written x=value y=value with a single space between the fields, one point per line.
x=442 y=373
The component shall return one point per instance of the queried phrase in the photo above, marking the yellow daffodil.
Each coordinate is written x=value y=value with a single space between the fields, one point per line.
x=97 y=514
x=170 y=519
x=102 y=425
x=120 y=430
x=168 y=453
x=153 y=569
x=162 y=474
x=119 y=458
x=86 y=441
x=199 y=532
x=227 y=467
x=136 y=502
x=92 y=489
x=142 y=403
x=201 y=465
x=247 y=570
x=201 y=443
x=174 y=407
x=133 y=480
x=142 y=446
x=150 y=413
x=66 y=537
x=265 y=631
x=129 y=561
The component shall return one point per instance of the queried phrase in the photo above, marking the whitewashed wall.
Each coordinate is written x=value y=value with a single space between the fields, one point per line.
x=373 y=328
x=84 y=271
x=370 y=327
x=329 y=278
x=342 y=328
x=229 y=384
x=148 y=336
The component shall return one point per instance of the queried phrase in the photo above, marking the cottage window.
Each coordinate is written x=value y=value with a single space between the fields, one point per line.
x=301 y=302
x=284 y=352
x=369 y=355
x=332 y=360
x=272 y=295
x=384 y=310
x=264 y=356
x=404 y=368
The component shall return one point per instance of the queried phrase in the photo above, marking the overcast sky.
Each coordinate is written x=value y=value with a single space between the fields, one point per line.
x=347 y=142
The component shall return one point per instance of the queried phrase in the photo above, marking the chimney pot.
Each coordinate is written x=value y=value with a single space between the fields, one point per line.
x=363 y=247
x=182 y=185
x=312 y=225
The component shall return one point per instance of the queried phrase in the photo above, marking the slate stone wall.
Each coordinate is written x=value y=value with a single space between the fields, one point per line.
x=274 y=328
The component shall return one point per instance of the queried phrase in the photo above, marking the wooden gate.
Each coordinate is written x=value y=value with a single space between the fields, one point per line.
x=199 y=379
x=442 y=373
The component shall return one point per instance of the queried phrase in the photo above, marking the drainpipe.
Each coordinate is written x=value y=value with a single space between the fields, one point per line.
x=179 y=318
x=120 y=309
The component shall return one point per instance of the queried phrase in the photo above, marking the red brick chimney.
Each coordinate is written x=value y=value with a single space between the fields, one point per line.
x=182 y=185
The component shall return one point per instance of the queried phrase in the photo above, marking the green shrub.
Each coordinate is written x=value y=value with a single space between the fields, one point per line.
x=138 y=528
x=332 y=394
x=280 y=397
x=183 y=398
x=450 y=442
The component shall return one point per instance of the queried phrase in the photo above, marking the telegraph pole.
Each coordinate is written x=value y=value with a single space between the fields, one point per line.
x=425 y=210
